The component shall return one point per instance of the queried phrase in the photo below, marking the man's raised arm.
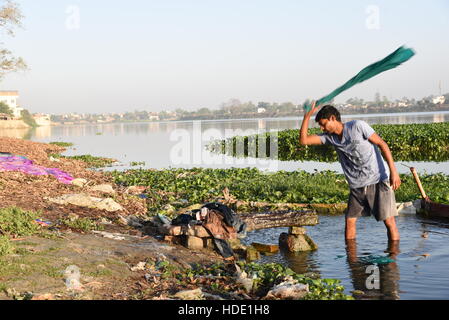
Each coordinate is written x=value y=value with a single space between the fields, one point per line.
x=304 y=138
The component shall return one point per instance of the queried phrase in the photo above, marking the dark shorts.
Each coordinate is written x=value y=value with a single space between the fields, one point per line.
x=376 y=199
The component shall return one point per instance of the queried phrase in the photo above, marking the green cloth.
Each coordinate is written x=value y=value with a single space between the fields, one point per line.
x=398 y=57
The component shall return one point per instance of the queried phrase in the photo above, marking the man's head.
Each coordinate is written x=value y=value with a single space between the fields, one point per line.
x=328 y=118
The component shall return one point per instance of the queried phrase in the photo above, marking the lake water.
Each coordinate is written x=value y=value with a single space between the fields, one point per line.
x=418 y=270
x=419 y=267
x=182 y=144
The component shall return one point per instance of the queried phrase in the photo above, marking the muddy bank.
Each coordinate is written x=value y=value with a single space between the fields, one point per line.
x=90 y=253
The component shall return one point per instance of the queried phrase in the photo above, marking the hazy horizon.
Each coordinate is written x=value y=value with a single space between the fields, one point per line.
x=111 y=56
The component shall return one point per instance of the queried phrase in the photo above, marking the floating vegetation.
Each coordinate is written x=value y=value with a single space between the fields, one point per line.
x=62 y=144
x=94 y=162
x=407 y=142
x=136 y=163
x=183 y=187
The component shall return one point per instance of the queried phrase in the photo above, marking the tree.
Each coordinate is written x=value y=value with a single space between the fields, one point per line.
x=10 y=18
x=28 y=118
x=4 y=108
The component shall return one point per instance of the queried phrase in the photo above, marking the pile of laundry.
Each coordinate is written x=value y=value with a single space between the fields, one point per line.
x=219 y=220
x=10 y=162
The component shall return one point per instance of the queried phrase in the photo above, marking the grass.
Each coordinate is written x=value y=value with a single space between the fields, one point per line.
x=83 y=224
x=15 y=222
x=5 y=246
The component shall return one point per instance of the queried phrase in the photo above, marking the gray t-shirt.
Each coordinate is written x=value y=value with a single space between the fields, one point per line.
x=361 y=160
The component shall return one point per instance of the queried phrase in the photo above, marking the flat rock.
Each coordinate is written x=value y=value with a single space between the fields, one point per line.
x=84 y=200
x=261 y=247
x=79 y=182
x=296 y=230
x=104 y=188
x=252 y=254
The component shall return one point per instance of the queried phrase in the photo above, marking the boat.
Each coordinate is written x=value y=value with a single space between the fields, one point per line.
x=429 y=208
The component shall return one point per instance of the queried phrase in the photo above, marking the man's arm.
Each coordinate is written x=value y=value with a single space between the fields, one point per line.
x=395 y=180
x=304 y=138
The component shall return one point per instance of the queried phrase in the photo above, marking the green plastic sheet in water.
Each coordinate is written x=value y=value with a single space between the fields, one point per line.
x=396 y=58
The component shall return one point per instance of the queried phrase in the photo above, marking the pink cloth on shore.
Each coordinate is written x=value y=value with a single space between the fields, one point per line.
x=22 y=164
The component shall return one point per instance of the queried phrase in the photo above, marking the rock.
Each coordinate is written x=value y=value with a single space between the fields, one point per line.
x=252 y=254
x=270 y=248
x=194 y=243
x=201 y=232
x=174 y=230
x=84 y=200
x=288 y=291
x=236 y=244
x=139 y=267
x=54 y=159
x=295 y=243
x=108 y=204
x=79 y=182
x=296 y=230
x=173 y=239
x=209 y=243
x=104 y=188
x=195 y=294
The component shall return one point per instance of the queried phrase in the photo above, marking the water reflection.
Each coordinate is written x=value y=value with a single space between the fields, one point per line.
x=375 y=277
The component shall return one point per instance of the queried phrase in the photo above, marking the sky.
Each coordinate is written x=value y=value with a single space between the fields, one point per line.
x=115 y=56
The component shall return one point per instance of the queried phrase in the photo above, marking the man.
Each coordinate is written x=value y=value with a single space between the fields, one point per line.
x=357 y=145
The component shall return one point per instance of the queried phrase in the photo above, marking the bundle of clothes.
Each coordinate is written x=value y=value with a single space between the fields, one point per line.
x=220 y=221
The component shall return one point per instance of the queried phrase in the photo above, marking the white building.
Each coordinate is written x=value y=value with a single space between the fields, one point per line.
x=10 y=99
x=438 y=100
x=261 y=110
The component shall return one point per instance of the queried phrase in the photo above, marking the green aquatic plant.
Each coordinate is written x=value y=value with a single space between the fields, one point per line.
x=92 y=161
x=62 y=144
x=407 y=142
x=184 y=187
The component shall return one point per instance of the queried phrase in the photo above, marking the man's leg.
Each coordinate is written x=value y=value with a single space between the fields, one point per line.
x=350 y=229
x=392 y=229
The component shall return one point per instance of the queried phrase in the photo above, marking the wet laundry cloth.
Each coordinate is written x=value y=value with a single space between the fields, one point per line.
x=223 y=224
x=10 y=162
x=220 y=221
x=401 y=55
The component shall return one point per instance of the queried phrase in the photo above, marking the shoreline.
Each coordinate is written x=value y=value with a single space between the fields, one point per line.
x=286 y=118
